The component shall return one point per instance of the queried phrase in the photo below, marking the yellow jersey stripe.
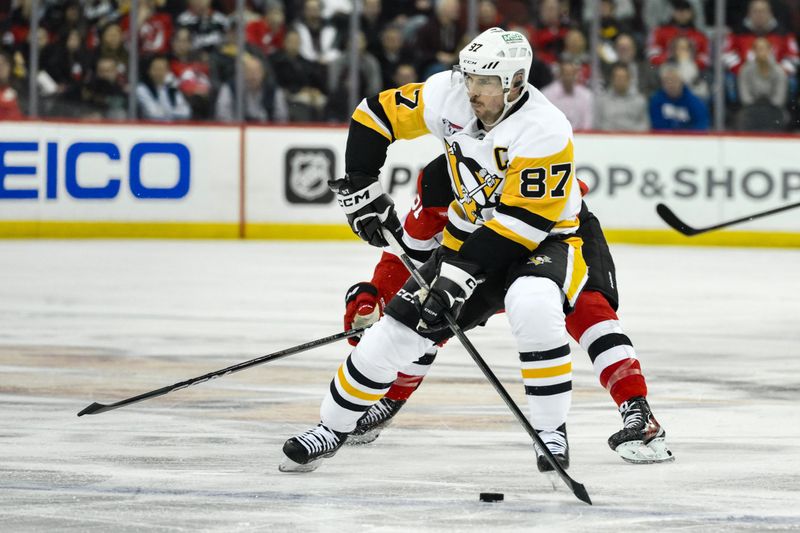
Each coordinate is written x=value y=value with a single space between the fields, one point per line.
x=580 y=269
x=361 y=116
x=503 y=231
x=448 y=241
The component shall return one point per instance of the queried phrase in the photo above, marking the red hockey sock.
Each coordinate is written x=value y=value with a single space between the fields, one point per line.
x=624 y=380
x=403 y=386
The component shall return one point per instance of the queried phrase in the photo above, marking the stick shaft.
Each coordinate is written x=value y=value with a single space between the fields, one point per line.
x=97 y=408
x=577 y=489
x=669 y=216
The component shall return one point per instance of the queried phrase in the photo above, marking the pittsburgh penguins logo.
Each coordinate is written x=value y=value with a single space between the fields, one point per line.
x=473 y=185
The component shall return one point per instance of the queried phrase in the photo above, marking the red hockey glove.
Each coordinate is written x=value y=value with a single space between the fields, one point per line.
x=364 y=307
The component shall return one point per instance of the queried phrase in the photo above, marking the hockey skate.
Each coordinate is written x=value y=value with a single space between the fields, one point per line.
x=374 y=421
x=641 y=440
x=556 y=442
x=305 y=452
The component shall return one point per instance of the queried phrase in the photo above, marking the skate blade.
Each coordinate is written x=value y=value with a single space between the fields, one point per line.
x=655 y=451
x=291 y=467
x=360 y=440
x=553 y=478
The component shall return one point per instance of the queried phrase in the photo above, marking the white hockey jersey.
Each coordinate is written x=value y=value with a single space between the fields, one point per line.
x=517 y=179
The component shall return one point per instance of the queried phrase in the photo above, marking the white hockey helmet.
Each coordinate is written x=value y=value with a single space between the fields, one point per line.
x=497 y=52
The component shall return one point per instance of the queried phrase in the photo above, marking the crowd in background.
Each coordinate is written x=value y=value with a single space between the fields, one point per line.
x=654 y=58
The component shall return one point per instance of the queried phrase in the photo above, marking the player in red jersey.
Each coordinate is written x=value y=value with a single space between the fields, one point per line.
x=682 y=25
x=760 y=22
x=593 y=323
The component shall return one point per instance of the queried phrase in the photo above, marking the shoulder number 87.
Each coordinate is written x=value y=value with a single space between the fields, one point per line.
x=533 y=181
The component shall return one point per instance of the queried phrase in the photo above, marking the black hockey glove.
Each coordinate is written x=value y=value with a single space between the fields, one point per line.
x=455 y=281
x=367 y=207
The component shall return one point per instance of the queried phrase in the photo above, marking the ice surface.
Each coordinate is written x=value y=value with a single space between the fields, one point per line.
x=718 y=332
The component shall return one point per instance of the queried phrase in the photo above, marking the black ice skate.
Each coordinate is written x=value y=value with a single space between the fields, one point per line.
x=305 y=452
x=374 y=421
x=641 y=440
x=556 y=442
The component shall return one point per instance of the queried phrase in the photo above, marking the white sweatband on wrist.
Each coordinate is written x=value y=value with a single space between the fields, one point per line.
x=351 y=203
x=460 y=277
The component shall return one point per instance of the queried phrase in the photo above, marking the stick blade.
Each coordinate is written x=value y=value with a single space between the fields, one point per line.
x=674 y=222
x=93 y=409
x=580 y=492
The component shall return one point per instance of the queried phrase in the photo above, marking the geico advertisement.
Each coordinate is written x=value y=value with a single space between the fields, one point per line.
x=704 y=179
x=116 y=172
x=287 y=173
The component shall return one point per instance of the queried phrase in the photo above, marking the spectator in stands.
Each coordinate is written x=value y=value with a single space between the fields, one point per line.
x=392 y=53
x=104 y=96
x=207 y=26
x=317 y=37
x=575 y=51
x=369 y=80
x=644 y=76
x=371 y=24
x=762 y=90
x=155 y=28
x=264 y=101
x=404 y=74
x=222 y=60
x=267 y=33
x=370 y=70
x=99 y=13
x=682 y=53
x=407 y=12
x=674 y=106
x=656 y=13
x=65 y=63
x=302 y=81
x=573 y=99
x=9 y=97
x=438 y=40
x=621 y=107
x=548 y=38
x=112 y=45
x=158 y=97
x=610 y=28
x=761 y=23
x=660 y=45
x=487 y=15
x=191 y=74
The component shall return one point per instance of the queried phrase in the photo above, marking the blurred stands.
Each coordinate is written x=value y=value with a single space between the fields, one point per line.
x=297 y=67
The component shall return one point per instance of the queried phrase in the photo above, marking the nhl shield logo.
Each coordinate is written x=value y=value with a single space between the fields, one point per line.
x=307 y=172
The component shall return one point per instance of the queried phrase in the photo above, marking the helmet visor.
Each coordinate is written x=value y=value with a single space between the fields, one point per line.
x=479 y=85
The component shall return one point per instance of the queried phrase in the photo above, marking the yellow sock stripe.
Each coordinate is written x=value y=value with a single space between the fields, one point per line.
x=549 y=372
x=352 y=391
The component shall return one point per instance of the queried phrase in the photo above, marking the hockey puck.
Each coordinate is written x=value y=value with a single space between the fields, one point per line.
x=491 y=496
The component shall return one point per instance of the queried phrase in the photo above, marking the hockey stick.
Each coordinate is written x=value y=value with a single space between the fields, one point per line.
x=97 y=408
x=682 y=227
x=577 y=488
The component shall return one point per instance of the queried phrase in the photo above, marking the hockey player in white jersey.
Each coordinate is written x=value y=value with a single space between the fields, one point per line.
x=509 y=242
